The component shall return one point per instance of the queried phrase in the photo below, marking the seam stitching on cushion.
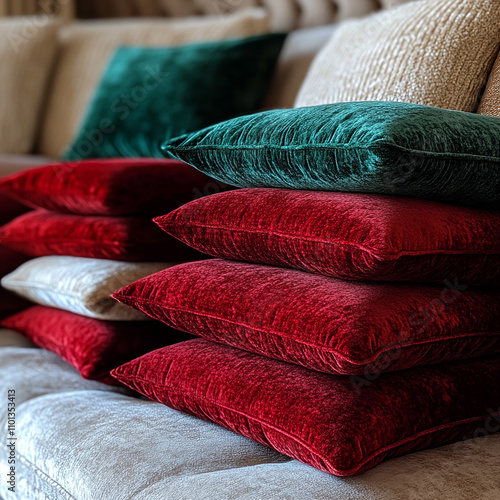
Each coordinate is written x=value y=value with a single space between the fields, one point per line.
x=310 y=344
x=374 y=146
x=36 y=286
x=387 y=255
x=8 y=238
x=306 y=445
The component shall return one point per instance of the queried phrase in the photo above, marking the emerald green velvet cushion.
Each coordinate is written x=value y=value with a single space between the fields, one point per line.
x=149 y=94
x=369 y=147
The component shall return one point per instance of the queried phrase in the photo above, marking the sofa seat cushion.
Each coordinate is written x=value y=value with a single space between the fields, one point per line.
x=158 y=453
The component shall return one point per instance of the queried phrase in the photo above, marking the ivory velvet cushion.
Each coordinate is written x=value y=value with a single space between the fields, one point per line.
x=322 y=323
x=150 y=94
x=134 y=239
x=371 y=147
x=349 y=236
x=27 y=51
x=108 y=187
x=92 y=346
x=79 y=285
x=86 y=47
x=432 y=52
x=321 y=420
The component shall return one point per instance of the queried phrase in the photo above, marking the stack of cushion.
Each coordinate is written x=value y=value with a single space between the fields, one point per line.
x=350 y=315
x=92 y=233
x=343 y=323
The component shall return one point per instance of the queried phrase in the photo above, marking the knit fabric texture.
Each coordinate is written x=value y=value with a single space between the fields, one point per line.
x=433 y=52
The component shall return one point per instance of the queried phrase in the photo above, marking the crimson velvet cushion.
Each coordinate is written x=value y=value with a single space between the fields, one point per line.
x=349 y=236
x=133 y=239
x=92 y=346
x=322 y=420
x=109 y=187
x=326 y=324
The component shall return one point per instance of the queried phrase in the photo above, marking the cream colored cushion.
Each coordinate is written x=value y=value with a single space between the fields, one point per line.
x=490 y=104
x=79 y=285
x=432 y=52
x=27 y=50
x=87 y=47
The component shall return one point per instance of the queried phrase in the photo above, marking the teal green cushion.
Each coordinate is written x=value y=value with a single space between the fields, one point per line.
x=149 y=94
x=367 y=147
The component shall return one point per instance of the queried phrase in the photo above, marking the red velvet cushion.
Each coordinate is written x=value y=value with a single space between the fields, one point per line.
x=110 y=187
x=322 y=323
x=39 y=233
x=350 y=236
x=93 y=347
x=322 y=420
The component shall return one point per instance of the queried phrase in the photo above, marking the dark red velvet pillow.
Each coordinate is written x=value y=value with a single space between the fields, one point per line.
x=40 y=233
x=349 y=236
x=92 y=346
x=322 y=323
x=322 y=420
x=110 y=187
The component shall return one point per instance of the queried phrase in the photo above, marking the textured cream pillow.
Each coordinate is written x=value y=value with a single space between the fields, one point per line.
x=27 y=50
x=432 y=52
x=87 y=47
x=490 y=104
x=79 y=285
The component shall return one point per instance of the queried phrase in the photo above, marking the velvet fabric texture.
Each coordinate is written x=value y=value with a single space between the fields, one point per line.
x=370 y=147
x=329 y=325
x=349 y=236
x=79 y=285
x=321 y=419
x=108 y=187
x=133 y=239
x=148 y=95
x=93 y=347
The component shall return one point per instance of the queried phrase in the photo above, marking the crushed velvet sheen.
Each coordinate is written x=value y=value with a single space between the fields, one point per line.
x=129 y=239
x=349 y=236
x=92 y=346
x=107 y=187
x=148 y=95
x=370 y=147
x=321 y=420
x=322 y=323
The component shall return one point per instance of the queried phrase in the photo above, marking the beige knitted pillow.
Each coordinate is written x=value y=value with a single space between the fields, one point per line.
x=87 y=47
x=490 y=104
x=433 y=52
x=27 y=50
